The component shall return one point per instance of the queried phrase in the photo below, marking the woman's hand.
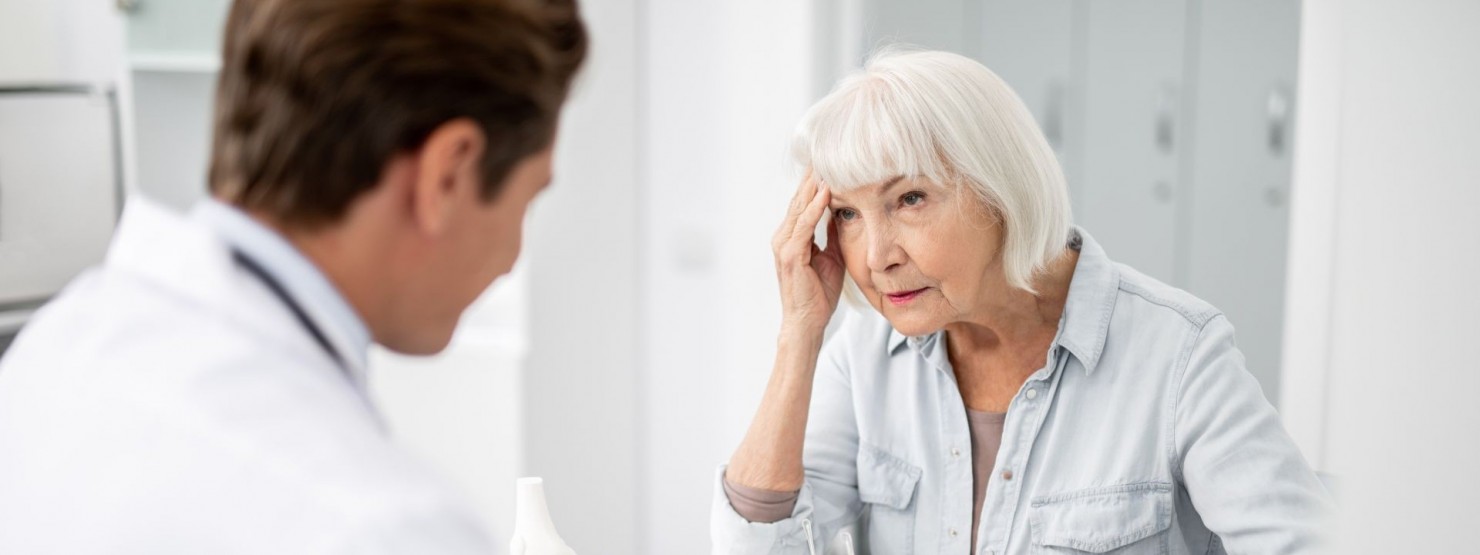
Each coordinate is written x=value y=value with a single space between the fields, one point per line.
x=770 y=456
x=811 y=278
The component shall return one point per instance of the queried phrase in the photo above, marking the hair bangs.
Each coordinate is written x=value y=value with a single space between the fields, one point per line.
x=864 y=133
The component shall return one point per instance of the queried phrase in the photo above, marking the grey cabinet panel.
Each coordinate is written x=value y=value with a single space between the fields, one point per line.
x=174 y=49
x=1237 y=210
x=1031 y=45
x=1132 y=130
x=58 y=190
x=933 y=24
x=172 y=114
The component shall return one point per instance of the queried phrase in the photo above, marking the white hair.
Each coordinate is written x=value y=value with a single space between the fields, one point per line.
x=948 y=119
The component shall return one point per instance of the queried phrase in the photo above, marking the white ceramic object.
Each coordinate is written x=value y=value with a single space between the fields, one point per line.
x=534 y=532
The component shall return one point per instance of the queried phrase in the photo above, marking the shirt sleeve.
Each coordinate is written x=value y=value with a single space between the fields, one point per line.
x=828 y=501
x=1243 y=472
x=760 y=505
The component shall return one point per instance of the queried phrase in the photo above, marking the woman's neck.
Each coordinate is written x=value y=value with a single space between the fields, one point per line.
x=1013 y=327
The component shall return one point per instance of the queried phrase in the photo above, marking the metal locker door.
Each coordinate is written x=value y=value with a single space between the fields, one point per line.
x=59 y=187
x=1238 y=214
x=1030 y=44
x=1133 y=129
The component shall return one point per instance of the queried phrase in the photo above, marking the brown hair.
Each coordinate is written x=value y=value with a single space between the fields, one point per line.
x=316 y=96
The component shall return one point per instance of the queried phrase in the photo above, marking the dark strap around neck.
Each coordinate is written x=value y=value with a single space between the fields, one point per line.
x=277 y=289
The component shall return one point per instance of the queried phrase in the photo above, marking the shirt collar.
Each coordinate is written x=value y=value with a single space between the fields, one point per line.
x=1092 y=294
x=1086 y=320
x=896 y=340
x=298 y=275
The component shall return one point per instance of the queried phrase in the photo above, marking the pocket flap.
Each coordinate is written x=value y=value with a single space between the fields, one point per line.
x=1101 y=519
x=884 y=479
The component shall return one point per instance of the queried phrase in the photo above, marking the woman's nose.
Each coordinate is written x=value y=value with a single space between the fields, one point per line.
x=884 y=252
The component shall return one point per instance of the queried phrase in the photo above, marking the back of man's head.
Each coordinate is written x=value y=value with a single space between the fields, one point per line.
x=316 y=96
x=395 y=143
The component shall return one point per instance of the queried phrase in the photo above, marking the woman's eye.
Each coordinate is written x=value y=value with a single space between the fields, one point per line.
x=844 y=214
x=913 y=198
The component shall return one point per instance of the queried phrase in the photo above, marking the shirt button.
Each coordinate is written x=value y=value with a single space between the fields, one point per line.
x=954 y=533
x=1007 y=475
x=1032 y=394
x=955 y=451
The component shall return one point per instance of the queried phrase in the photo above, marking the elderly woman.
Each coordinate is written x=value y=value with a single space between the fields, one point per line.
x=1012 y=390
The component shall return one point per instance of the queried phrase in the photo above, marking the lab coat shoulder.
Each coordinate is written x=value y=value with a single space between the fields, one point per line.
x=167 y=398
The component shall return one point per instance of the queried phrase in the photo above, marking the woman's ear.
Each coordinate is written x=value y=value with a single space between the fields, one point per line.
x=448 y=173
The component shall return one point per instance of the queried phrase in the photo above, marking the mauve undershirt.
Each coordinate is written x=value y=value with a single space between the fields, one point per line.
x=761 y=505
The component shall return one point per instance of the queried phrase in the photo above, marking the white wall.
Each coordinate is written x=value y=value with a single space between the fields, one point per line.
x=580 y=384
x=33 y=37
x=684 y=85
x=724 y=85
x=1382 y=293
x=59 y=41
x=461 y=411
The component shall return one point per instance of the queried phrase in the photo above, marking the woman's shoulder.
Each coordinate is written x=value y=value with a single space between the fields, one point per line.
x=1159 y=300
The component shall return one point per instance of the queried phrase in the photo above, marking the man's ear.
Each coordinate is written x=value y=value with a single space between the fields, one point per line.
x=447 y=170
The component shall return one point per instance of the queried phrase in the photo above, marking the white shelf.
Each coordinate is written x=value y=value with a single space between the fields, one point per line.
x=175 y=62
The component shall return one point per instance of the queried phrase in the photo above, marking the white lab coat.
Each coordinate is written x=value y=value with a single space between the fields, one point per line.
x=169 y=402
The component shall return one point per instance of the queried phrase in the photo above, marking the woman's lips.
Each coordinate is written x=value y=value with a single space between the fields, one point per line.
x=903 y=297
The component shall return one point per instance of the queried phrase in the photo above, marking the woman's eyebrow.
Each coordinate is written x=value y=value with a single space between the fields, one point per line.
x=889 y=185
x=883 y=191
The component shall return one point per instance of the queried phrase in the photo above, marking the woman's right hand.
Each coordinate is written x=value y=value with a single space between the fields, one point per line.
x=811 y=278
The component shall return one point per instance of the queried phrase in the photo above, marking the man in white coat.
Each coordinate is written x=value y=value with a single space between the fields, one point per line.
x=203 y=391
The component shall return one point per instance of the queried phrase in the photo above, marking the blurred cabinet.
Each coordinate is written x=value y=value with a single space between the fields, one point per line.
x=173 y=55
x=182 y=30
x=1030 y=44
x=1132 y=78
x=59 y=187
x=934 y=24
x=1237 y=210
x=1172 y=121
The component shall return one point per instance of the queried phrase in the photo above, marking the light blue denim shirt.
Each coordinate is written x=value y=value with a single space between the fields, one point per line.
x=1142 y=433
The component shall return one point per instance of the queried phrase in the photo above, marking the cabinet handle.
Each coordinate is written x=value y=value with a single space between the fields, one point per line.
x=1162 y=191
x=1274 y=196
x=1166 y=119
x=1053 y=116
x=1278 y=109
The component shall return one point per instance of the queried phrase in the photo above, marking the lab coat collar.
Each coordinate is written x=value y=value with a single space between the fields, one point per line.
x=158 y=245
x=194 y=261
x=300 y=277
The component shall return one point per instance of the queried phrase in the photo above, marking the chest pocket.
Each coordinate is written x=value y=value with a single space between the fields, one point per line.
x=887 y=484
x=1124 y=520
